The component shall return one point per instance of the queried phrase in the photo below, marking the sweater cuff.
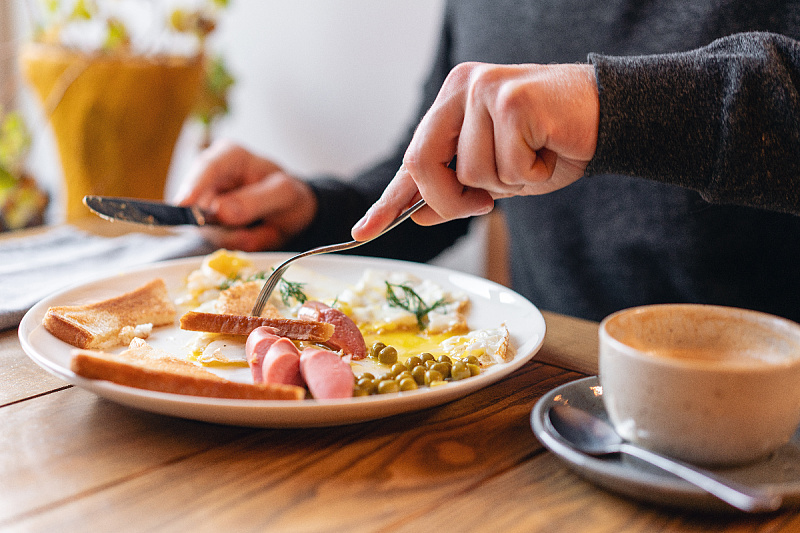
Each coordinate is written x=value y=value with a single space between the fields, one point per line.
x=654 y=119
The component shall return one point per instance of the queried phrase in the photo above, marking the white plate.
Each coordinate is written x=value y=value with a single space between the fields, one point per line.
x=779 y=472
x=492 y=305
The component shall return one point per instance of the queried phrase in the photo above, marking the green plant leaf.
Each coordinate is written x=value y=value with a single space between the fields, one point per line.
x=15 y=140
x=117 y=36
x=83 y=10
x=412 y=302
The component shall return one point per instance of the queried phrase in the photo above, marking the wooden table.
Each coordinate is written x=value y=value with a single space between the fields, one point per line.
x=71 y=461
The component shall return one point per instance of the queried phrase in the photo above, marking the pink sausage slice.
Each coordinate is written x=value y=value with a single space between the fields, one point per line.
x=326 y=374
x=282 y=364
x=256 y=347
x=346 y=335
x=311 y=310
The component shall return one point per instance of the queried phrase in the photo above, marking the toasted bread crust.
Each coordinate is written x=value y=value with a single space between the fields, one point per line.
x=100 y=324
x=300 y=330
x=145 y=367
x=65 y=329
x=240 y=299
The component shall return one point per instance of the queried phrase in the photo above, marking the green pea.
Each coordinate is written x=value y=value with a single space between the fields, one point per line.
x=403 y=375
x=368 y=385
x=442 y=368
x=444 y=359
x=471 y=360
x=408 y=384
x=360 y=392
x=432 y=376
x=459 y=371
x=474 y=370
x=429 y=363
x=398 y=368
x=418 y=373
x=366 y=375
x=413 y=361
x=426 y=357
x=388 y=355
x=376 y=349
x=387 y=386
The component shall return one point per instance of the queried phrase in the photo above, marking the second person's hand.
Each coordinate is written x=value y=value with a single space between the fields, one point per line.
x=259 y=205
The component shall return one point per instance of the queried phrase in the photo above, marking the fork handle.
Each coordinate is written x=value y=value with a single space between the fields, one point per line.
x=274 y=278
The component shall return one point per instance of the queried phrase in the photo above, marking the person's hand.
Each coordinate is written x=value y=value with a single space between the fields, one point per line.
x=239 y=189
x=517 y=130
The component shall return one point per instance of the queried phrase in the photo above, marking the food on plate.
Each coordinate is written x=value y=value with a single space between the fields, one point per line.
x=387 y=332
x=327 y=375
x=383 y=302
x=240 y=299
x=115 y=321
x=302 y=330
x=408 y=317
x=489 y=346
x=346 y=337
x=277 y=360
x=145 y=367
x=273 y=359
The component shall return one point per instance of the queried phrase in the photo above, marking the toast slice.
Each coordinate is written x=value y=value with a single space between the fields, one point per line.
x=299 y=330
x=115 y=321
x=146 y=367
x=240 y=299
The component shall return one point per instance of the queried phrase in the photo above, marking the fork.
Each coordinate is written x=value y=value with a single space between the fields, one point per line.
x=272 y=281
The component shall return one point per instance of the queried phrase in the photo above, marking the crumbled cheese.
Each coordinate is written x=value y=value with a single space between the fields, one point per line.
x=140 y=331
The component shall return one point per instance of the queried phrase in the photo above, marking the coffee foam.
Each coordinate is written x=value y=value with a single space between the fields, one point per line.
x=702 y=335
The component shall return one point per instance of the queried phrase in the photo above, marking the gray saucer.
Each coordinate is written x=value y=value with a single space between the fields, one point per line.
x=635 y=479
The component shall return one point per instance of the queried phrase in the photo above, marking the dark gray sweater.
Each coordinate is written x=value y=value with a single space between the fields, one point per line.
x=714 y=130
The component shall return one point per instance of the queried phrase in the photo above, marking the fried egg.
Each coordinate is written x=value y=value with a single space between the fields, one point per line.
x=214 y=349
x=488 y=345
x=218 y=268
x=367 y=303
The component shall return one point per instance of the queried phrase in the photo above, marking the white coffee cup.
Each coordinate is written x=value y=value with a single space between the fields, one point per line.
x=707 y=384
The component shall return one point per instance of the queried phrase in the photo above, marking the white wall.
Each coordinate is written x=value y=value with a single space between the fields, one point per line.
x=326 y=85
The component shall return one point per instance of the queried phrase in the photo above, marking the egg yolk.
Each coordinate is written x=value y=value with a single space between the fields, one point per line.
x=408 y=343
x=227 y=263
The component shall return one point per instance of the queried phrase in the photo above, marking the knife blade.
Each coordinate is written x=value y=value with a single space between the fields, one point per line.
x=145 y=211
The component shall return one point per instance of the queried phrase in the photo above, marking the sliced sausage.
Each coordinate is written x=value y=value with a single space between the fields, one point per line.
x=257 y=345
x=326 y=375
x=311 y=310
x=282 y=364
x=346 y=335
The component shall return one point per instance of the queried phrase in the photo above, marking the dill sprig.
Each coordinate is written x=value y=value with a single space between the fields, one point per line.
x=412 y=302
x=292 y=289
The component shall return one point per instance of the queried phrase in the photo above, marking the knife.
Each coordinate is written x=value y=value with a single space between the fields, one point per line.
x=146 y=212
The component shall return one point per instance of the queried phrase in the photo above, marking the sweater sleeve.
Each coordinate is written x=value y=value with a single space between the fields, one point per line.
x=723 y=120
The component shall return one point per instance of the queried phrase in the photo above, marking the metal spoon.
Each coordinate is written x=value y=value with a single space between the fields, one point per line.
x=272 y=281
x=593 y=436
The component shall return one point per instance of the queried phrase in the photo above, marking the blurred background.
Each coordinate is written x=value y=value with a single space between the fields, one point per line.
x=321 y=86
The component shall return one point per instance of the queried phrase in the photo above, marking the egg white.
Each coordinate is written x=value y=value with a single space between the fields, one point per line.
x=214 y=349
x=488 y=345
x=367 y=304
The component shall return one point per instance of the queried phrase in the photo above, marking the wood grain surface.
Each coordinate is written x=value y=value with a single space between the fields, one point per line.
x=71 y=461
